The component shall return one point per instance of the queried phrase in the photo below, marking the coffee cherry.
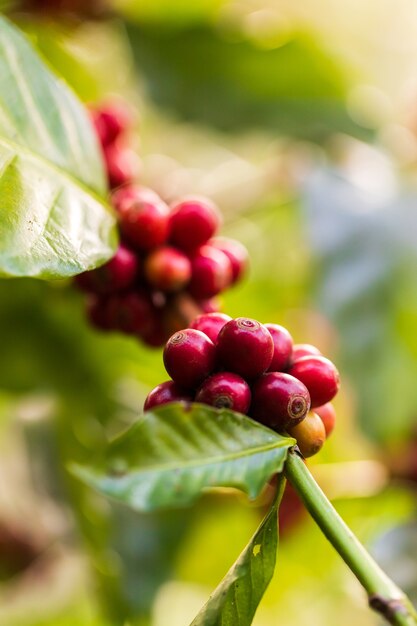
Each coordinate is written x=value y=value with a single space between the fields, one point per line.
x=320 y=377
x=310 y=434
x=210 y=272
x=193 y=221
x=212 y=305
x=236 y=253
x=327 y=415
x=210 y=324
x=245 y=346
x=117 y=274
x=97 y=312
x=111 y=120
x=279 y=400
x=132 y=312
x=225 y=390
x=189 y=357
x=122 y=164
x=168 y=269
x=156 y=336
x=303 y=349
x=282 y=347
x=164 y=393
x=143 y=216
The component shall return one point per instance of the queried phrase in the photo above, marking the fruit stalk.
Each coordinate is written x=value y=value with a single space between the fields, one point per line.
x=383 y=594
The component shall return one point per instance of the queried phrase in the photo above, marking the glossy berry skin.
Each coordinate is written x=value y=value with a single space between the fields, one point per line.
x=236 y=253
x=143 y=217
x=327 y=415
x=131 y=312
x=225 y=390
x=210 y=324
x=211 y=273
x=111 y=120
x=279 y=400
x=282 y=347
x=304 y=349
x=189 y=357
x=320 y=377
x=168 y=269
x=245 y=346
x=122 y=164
x=193 y=221
x=310 y=434
x=117 y=274
x=164 y=393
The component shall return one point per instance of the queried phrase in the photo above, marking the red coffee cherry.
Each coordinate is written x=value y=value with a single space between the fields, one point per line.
x=168 y=269
x=97 y=312
x=320 y=377
x=131 y=312
x=164 y=393
x=304 y=349
x=117 y=274
x=143 y=216
x=122 y=164
x=210 y=324
x=225 y=390
x=245 y=346
x=111 y=120
x=279 y=400
x=327 y=415
x=189 y=357
x=212 y=305
x=210 y=272
x=193 y=221
x=237 y=254
x=310 y=434
x=282 y=347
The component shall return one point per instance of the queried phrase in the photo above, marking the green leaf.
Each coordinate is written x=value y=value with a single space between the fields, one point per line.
x=235 y=600
x=174 y=452
x=54 y=219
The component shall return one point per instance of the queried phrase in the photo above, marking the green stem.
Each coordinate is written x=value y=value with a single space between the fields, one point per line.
x=383 y=594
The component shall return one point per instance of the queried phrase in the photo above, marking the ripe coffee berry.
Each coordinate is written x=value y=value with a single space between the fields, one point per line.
x=143 y=216
x=111 y=120
x=279 y=400
x=189 y=357
x=193 y=221
x=310 y=434
x=131 y=312
x=211 y=272
x=304 y=349
x=164 y=393
x=327 y=415
x=210 y=324
x=245 y=346
x=282 y=347
x=225 y=390
x=97 y=312
x=122 y=164
x=320 y=377
x=167 y=269
x=115 y=275
x=236 y=253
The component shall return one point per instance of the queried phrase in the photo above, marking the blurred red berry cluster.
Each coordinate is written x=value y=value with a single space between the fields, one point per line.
x=255 y=369
x=169 y=266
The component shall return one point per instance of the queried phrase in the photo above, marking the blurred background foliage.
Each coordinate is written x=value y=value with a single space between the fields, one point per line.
x=298 y=119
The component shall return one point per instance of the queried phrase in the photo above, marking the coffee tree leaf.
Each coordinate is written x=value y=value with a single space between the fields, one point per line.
x=174 y=452
x=235 y=600
x=54 y=221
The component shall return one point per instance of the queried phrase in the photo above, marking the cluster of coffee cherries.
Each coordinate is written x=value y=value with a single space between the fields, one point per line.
x=255 y=369
x=169 y=266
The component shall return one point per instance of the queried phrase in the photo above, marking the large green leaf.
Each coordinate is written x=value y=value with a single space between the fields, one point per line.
x=235 y=600
x=174 y=452
x=54 y=219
